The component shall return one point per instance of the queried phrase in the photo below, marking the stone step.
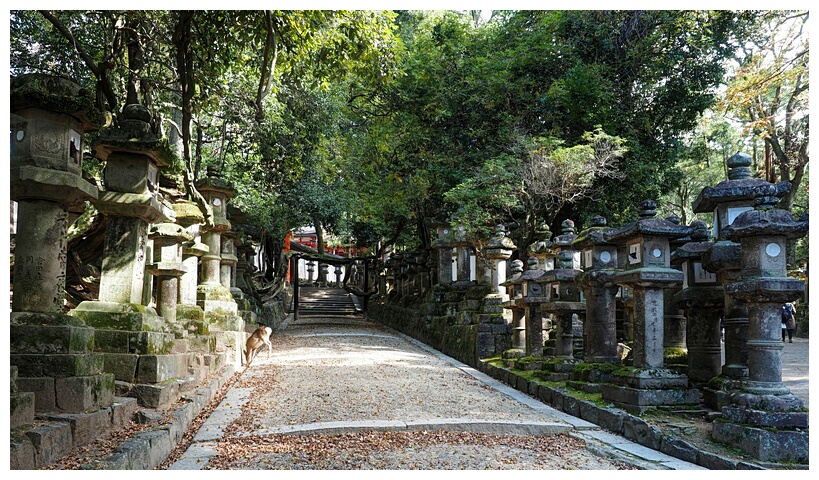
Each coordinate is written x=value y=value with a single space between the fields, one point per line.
x=321 y=301
x=22 y=403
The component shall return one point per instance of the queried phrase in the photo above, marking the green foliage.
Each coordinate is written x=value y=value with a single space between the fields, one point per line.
x=372 y=123
x=532 y=186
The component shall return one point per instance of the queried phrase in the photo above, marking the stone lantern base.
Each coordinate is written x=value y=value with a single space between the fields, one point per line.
x=769 y=427
x=222 y=314
x=717 y=394
x=137 y=349
x=215 y=299
x=54 y=357
x=559 y=369
x=646 y=388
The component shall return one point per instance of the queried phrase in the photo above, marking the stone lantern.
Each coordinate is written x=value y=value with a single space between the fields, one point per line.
x=599 y=267
x=444 y=247
x=765 y=419
x=310 y=269
x=137 y=343
x=727 y=200
x=337 y=271
x=514 y=293
x=49 y=117
x=166 y=266
x=498 y=250
x=648 y=271
x=534 y=295
x=564 y=303
x=701 y=297
x=408 y=274
x=133 y=157
x=560 y=244
x=395 y=261
x=56 y=369
x=564 y=242
x=463 y=269
x=227 y=264
x=541 y=248
x=424 y=268
x=211 y=294
x=323 y=270
x=189 y=216
x=674 y=322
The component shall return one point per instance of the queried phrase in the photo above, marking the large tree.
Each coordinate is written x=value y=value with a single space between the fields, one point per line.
x=768 y=93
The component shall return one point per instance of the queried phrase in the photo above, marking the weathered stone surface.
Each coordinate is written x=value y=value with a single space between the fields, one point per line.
x=22 y=409
x=67 y=191
x=160 y=368
x=22 y=454
x=611 y=419
x=156 y=396
x=122 y=365
x=639 y=431
x=765 y=444
x=64 y=365
x=56 y=94
x=43 y=390
x=150 y=343
x=650 y=397
x=84 y=393
x=51 y=442
x=112 y=341
x=136 y=453
x=679 y=448
x=650 y=378
x=766 y=419
x=122 y=411
x=87 y=426
x=51 y=339
x=118 y=316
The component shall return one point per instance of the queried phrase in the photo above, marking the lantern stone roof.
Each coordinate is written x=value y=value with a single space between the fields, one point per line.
x=134 y=135
x=500 y=240
x=696 y=245
x=647 y=225
x=214 y=182
x=56 y=94
x=766 y=220
x=739 y=186
x=594 y=235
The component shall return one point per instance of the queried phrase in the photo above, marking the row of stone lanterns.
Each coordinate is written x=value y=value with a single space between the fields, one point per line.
x=118 y=337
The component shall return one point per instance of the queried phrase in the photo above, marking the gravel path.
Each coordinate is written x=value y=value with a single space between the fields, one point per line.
x=356 y=395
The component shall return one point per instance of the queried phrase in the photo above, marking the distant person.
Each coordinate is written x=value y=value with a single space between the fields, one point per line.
x=788 y=321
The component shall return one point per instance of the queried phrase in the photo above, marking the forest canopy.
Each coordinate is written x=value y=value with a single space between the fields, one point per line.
x=372 y=124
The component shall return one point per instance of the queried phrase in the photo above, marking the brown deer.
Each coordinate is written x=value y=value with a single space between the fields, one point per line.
x=259 y=338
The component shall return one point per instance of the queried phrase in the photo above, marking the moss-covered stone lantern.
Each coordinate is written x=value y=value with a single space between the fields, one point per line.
x=599 y=267
x=765 y=418
x=648 y=271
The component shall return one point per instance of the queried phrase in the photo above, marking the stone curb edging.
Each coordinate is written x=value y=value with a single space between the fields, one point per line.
x=619 y=422
x=147 y=450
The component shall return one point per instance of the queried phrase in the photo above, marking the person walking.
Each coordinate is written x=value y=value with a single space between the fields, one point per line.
x=788 y=321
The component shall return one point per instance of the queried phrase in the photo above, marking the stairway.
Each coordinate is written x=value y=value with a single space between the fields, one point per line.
x=333 y=302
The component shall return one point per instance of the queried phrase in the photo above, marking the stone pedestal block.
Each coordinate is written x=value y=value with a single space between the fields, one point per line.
x=59 y=365
x=119 y=316
x=765 y=444
x=161 y=368
x=641 y=389
x=85 y=393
